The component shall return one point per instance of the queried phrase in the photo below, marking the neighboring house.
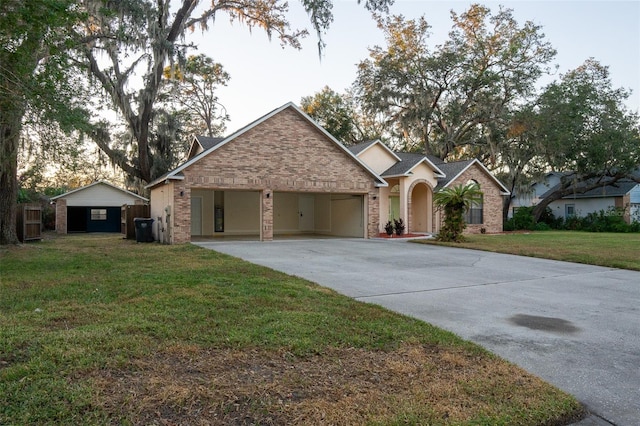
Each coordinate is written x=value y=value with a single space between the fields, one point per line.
x=284 y=174
x=624 y=194
x=93 y=208
x=537 y=189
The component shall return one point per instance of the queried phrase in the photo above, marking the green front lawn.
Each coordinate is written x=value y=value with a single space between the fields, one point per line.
x=100 y=330
x=617 y=250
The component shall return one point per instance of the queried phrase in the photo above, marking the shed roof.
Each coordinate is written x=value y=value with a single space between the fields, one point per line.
x=99 y=182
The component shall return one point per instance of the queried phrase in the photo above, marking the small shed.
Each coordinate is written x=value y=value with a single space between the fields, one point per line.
x=93 y=208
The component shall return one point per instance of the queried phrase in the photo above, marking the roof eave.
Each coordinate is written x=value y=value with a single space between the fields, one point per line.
x=94 y=184
x=164 y=179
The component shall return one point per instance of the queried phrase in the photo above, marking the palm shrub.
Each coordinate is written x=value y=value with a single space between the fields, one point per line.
x=455 y=201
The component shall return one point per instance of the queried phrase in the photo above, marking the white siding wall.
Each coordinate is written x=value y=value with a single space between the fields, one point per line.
x=582 y=206
x=99 y=195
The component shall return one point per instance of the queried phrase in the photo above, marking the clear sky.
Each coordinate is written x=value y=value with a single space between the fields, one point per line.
x=265 y=76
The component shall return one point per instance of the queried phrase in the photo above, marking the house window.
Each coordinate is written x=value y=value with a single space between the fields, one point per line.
x=473 y=216
x=569 y=210
x=98 y=214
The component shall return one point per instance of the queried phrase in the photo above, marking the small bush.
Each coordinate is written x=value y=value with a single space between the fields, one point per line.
x=610 y=220
x=541 y=226
x=398 y=225
x=522 y=220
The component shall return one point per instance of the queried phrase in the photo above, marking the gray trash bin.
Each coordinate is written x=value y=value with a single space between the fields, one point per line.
x=144 y=230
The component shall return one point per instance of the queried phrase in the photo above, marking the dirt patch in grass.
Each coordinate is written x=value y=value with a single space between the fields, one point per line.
x=189 y=385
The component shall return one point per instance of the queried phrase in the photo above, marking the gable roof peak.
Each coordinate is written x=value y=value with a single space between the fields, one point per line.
x=176 y=173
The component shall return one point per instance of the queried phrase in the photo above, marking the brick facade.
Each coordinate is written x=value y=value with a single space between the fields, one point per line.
x=61 y=216
x=626 y=205
x=492 y=200
x=285 y=152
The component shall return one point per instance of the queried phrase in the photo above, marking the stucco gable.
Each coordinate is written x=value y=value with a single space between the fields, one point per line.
x=378 y=157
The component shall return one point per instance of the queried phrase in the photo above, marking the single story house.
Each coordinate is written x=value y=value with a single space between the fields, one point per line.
x=284 y=174
x=624 y=194
x=412 y=180
x=93 y=208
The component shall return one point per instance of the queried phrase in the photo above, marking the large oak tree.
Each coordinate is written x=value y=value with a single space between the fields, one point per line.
x=583 y=129
x=135 y=40
x=444 y=98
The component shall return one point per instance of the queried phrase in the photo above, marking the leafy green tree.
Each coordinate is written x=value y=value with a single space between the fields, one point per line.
x=35 y=37
x=191 y=87
x=443 y=100
x=341 y=116
x=133 y=41
x=582 y=128
x=515 y=158
x=332 y=111
x=455 y=201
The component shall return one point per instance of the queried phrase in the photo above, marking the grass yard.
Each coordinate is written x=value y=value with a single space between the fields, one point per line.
x=99 y=330
x=595 y=248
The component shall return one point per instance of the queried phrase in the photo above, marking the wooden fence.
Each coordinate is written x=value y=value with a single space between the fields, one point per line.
x=127 y=214
x=29 y=222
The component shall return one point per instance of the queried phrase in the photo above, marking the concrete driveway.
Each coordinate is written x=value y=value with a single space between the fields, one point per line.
x=576 y=326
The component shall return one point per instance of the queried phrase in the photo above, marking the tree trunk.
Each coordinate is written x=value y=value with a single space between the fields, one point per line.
x=539 y=208
x=581 y=185
x=10 y=126
x=506 y=203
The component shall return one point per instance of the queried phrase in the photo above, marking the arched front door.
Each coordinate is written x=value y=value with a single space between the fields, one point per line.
x=421 y=208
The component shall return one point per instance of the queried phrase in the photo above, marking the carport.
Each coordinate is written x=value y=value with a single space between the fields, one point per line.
x=231 y=213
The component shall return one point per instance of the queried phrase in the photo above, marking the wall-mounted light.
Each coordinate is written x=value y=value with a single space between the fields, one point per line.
x=375 y=197
x=182 y=193
x=268 y=195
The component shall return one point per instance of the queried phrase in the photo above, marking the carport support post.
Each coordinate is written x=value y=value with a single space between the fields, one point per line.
x=266 y=215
